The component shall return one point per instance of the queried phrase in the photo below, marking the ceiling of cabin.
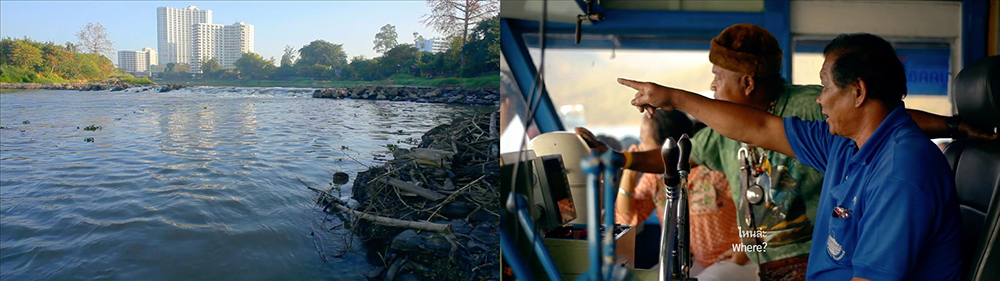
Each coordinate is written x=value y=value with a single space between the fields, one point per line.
x=566 y=11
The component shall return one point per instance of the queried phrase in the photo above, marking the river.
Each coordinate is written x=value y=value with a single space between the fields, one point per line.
x=199 y=183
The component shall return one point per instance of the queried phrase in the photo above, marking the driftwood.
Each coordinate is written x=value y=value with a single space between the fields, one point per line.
x=422 y=192
x=429 y=226
x=452 y=197
x=421 y=185
x=427 y=156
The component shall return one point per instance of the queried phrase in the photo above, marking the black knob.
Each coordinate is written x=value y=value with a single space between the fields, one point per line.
x=670 y=154
x=684 y=145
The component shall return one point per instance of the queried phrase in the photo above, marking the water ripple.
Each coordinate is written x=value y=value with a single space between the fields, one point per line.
x=191 y=184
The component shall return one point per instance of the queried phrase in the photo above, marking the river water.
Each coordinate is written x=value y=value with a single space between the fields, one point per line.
x=203 y=183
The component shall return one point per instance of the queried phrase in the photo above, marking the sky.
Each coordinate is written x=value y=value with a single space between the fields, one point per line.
x=132 y=24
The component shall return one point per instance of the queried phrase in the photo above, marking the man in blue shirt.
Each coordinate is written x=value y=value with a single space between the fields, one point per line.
x=888 y=208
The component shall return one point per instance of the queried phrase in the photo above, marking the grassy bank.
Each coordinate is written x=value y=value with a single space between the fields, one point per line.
x=399 y=79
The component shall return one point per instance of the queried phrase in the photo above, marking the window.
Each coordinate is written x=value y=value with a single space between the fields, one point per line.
x=513 y=109
x=583 y=88
x=927 y=64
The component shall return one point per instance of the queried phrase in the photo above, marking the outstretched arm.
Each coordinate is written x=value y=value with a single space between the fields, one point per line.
x=734 y=121
x=643 y=161
x=936 y=126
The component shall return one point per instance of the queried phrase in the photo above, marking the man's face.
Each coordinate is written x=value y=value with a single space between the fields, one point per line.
x=726 y=85
x=837 y=103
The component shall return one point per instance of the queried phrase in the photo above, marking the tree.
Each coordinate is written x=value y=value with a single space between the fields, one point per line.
x=170 y=67
x=288 y=59
x=417 y=38
x=71 y=47
x=93 y=38
x=252 y=66
x=454 y=17
x=363 y=69
x=385 y=39
x=400 y=59
x=211 y=68
x=483 y=49
x=24 y=60
x=23 y=54
x=322 y=53
x=284 y=72
x=55 y=57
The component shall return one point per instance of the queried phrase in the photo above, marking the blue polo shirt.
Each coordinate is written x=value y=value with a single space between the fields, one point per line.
x=898 y=215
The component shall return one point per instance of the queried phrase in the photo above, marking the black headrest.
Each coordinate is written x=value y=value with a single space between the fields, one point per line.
x=976 y=92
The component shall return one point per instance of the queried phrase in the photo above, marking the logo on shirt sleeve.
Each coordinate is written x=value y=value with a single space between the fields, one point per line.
x=833 y=248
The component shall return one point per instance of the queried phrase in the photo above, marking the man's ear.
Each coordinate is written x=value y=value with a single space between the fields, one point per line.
x=747 y=83
x=860 y=92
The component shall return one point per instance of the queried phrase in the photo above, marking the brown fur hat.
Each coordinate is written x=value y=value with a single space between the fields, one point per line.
x=747 y=49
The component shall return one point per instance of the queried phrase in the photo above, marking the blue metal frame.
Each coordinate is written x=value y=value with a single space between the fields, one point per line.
x=653 y=30
x=531 y=232
x=778 y=21
x=509 y=252
x=523 y=70
x=974 y=18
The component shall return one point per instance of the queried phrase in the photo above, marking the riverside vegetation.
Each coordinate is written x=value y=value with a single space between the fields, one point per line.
x=470 y=63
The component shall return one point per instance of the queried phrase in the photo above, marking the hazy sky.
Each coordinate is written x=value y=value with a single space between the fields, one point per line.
x=132 y=24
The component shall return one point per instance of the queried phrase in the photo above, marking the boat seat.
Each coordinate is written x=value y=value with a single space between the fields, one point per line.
x=976 y=167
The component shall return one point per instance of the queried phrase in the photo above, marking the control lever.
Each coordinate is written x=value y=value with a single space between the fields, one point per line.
x=671 y=178
x=683 y=247
x=675 y=249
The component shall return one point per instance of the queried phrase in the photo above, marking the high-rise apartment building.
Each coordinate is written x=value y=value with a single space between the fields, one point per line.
x=188 y=36
x=225 y=43
x=152 y=56
x=137 y=61
x=174 y=28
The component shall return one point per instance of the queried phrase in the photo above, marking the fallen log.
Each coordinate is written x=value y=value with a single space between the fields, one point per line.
x=428 y=226
x=422 y=192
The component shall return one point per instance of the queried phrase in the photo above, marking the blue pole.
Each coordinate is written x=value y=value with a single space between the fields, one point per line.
x=520 y=204
x=592 y=166
x=521 y=270
x=611 y=161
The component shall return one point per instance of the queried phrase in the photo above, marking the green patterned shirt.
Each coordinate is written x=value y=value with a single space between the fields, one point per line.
x=787 y=214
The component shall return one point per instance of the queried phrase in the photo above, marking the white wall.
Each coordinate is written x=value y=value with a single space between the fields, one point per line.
x=934 y=20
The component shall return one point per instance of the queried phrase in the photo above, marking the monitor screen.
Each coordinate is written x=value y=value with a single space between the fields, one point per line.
x=543 y=181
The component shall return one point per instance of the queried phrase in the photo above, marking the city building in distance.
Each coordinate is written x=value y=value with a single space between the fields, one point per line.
x=188 y=36
x=433 y=45
x=225 y=43
x=137 y=61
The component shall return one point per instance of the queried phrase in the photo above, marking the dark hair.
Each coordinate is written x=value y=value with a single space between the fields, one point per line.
x=673 y=123
x=872 y=59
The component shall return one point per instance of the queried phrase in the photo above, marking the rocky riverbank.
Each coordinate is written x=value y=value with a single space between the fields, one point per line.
x=482 y=96
x=432 y=212
x=110 y=85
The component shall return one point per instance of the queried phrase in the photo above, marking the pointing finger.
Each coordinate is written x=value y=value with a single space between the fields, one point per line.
x=630 y=83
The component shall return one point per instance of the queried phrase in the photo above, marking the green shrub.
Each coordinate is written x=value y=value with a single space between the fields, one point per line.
x=491 y=80
x=446 y=82
x=12 y=74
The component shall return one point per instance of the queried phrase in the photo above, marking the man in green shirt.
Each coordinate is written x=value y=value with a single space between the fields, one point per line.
x=746 y=63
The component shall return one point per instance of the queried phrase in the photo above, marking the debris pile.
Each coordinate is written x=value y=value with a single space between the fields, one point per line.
x=110 y=84
x=481 y=96
x=432 y=212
